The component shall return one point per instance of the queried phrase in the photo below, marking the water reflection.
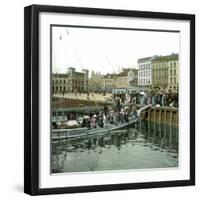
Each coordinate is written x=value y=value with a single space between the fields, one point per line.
x=145 y=145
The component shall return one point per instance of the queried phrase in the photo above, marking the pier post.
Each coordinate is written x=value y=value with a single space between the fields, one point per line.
x=170 y=132
x=159 y=125
x=154 y=119
x=149 y=127
x=149 y=114
x=170 y=118
x=176 y=136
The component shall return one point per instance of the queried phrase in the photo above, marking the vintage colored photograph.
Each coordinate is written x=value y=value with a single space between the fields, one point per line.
x=114 y=99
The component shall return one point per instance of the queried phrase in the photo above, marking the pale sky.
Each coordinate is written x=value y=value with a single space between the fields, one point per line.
x=106 y=50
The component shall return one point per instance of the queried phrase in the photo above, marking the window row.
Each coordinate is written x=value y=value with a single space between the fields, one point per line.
x=59 y=81
x=144 y=66
x=172 y=72
x=173 y=64
x=159 y=65
x=144 y=81
x=173 y=80
x=144 y=73
x=65 y=89
x=69 y=82
x=160 y=73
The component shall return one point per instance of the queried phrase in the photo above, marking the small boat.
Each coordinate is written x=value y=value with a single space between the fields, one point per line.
x=64 y=133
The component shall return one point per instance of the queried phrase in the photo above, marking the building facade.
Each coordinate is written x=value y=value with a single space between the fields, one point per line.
x=160 y=72
x=127 y=78
x=173 y=72
x=165 y=72
x=72 y=81
x=145 y=71
x=108 y=82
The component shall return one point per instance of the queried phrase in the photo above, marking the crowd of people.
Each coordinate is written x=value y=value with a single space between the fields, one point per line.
x=154 y=97
x=109 y=115
x=119 y=114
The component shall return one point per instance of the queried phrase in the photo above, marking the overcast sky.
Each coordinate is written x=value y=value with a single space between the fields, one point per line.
x=106 y=50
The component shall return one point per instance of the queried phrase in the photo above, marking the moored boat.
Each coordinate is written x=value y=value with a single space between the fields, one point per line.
x=78 y=131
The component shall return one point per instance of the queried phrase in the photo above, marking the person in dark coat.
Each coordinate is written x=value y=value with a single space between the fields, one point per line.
x=83 y=124
x=87 y=123
x=100 y=121
x=126 y=119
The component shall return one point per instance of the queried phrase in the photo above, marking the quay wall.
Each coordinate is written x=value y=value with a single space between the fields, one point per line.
x=165 y=115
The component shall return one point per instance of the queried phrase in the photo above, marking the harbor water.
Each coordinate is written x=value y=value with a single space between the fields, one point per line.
x=145 y=145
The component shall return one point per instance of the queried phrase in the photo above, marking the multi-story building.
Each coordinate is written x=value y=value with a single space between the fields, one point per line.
x=108 y=81
x=59 y=83
x=165 y=72
x=160 y=72
x=173 y=72
x=144 y=71
x=71 y=81
x=127 y=78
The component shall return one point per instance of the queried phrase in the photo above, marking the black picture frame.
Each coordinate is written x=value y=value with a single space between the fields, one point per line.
x=31 y=98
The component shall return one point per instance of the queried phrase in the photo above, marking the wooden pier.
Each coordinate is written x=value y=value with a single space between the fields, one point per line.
x=167 y=115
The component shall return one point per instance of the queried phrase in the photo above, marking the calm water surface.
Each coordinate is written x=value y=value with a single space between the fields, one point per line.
x=145 y=145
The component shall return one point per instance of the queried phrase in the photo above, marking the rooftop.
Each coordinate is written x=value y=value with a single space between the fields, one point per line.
x=60 y=75
x=125 y=72
x=146 y=59
x=159 y=58
x=167 y=58
x=109 y=76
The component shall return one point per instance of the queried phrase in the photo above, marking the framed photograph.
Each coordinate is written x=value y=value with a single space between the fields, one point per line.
x=109 y=99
